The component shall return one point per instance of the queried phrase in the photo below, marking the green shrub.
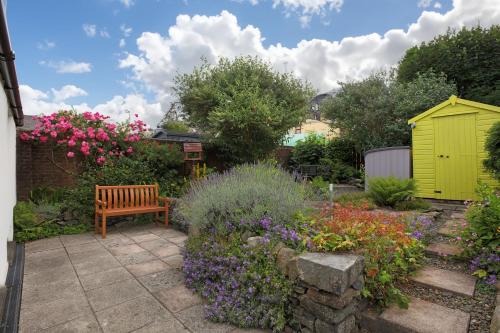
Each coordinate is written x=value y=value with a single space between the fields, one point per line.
x=388 y=191
x=481 y=236
x=417 y=204
x=152 y=164
x=341 y=149
x=32 y=222
x=319 y=189
x=492 y=147
x=308 y=151
x=45 y=194
x=247 y=192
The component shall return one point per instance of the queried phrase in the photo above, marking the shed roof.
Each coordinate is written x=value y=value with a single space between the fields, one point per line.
x=452 y=101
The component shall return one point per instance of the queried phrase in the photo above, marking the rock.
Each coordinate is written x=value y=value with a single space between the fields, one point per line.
x=455 y=282
x=347 y=326
x=495 y=320
x=246 y=235
x=276 y=249
x=451 y=228
x=333 y=301
x=443 y=249
x=285 y=255
x=254 y=241
x=458 y=216
x=330 y=272
x=304 y=318
x=359 y=283
x=420 y=317
x=326 y=313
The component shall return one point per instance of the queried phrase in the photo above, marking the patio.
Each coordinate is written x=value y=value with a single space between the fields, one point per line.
x=129 y=282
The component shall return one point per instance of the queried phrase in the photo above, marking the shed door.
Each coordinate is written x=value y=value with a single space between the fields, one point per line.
x=455 y=156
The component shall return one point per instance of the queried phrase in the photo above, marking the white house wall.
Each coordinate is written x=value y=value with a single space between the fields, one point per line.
x=8 y=181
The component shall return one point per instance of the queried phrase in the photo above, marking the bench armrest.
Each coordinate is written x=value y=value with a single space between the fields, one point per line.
x=101 y=203
x=165 y=200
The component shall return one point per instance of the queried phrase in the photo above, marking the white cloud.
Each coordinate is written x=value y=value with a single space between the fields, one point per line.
x=46 y=45
x=66 y=92
x=104 y=33
x=309 y=6
x=321 y=62
x=122 y=42
x=118 y=108
x=128 y=3
x=89 y=29
x=64 y=67
x=437 y=5
x=126 y=31
x=424 y=3
x=305 y=20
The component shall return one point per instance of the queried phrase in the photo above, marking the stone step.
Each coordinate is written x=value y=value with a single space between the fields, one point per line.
x=454 y=282
x=458 y=215
x=452 y=228
x=420 y=317
x=439 y=249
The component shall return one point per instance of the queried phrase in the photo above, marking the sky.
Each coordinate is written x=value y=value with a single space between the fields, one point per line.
x=120 y=57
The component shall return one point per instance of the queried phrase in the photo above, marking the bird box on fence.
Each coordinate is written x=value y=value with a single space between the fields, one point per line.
x=192 y=151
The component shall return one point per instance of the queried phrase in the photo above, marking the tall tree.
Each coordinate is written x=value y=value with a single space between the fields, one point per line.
x=470 y=58
x=373 y=112
x=243 y=105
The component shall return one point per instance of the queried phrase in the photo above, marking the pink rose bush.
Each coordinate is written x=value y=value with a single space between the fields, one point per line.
x=88 y=135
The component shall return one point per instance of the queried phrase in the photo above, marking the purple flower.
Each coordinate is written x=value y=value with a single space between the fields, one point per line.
x=492 y=279
x=266 y=223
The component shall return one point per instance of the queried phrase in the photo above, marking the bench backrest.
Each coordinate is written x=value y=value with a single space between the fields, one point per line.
x=128 y=196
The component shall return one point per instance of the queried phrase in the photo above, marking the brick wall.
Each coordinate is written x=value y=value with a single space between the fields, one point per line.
x=34 y=168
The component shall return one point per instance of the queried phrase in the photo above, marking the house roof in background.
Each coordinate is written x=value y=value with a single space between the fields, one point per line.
x=162 y=135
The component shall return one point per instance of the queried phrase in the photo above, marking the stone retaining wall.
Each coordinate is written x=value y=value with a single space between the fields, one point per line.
x=327 y=293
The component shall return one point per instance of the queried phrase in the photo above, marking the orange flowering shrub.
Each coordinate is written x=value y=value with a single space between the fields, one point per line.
x=390 y=250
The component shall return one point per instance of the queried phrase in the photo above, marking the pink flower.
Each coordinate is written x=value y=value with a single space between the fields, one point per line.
x=130 y=150
x=24 y=136
x=70 y=154
x=71 y=143
x=459 y=238
x=136 y=115
x=43 y=139
x=101 y=160
x=53 y=134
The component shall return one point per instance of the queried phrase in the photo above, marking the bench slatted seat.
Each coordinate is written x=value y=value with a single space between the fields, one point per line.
x=127 y=200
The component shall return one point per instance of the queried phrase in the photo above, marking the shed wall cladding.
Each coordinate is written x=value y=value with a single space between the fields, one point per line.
x=448 y=149
x=385 y=162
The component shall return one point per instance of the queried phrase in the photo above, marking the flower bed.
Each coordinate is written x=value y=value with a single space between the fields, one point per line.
x=388 y=242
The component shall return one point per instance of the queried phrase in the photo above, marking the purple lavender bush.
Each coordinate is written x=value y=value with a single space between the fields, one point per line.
x=241 y=284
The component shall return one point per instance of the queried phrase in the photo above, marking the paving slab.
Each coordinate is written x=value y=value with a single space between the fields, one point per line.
x=147 y=267
x=144 y=237
x=194 y=319
x=423 y=317
x=98 y=280
x=179 y=240
x=98 y=264
x=175 y=261
x=169 y=233
x=43 y=245
x=177 y=298
x=83 y=324
x=87 y=247
x=154 y=244
x=169 y=326
x=458 y=215
x=34 y=294
x=135 y=258
x=78 y=239
x=166 y=251
x=115 y=240
x=455 y=282
x=125 y=250
x=132 y=315
x=443 y=249
x=107 y=296
x=165 y=279
x=46 y=260
x=46 y=315
x=56 y=274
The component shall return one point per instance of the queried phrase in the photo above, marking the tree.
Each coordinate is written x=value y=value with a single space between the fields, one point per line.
x=242 y=106
x=469 y=58
x=492 y=146
x=373 y=112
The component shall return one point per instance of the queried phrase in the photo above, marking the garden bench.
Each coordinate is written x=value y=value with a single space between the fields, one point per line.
x=127 y=200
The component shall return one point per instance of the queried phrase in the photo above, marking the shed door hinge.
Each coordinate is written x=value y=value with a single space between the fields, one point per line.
x=437 y=191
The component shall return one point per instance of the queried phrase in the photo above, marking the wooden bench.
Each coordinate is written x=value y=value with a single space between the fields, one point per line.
x=127 y=200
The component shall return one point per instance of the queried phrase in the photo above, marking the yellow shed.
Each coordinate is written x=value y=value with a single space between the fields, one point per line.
x=448 y=148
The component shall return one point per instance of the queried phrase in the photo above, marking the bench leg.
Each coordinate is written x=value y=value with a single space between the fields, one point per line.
x=103 y=231
x=166 y=214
